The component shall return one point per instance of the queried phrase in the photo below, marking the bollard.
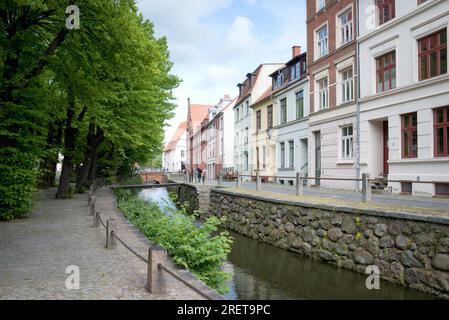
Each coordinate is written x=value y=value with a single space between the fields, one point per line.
x=238 y=180
x=110 y=229
x=257 y=181
x=155 y=277
x=299 y=184
x=93 y=204
x=220 y=178
x=366 y=188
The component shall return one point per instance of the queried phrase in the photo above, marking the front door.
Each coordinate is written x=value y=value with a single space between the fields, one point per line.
x=317 y=157
x=386 y=148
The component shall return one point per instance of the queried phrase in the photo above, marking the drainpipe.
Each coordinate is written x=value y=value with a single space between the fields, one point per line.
x=357 y=146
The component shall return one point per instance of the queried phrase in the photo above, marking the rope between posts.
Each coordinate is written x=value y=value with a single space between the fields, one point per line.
x=184 y=282
x=129 y=248
x=101 y=221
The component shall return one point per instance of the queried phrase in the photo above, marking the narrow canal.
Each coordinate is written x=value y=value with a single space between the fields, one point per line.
x=261 y=271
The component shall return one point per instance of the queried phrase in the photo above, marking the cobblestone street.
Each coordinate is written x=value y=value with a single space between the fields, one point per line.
x=36 y=249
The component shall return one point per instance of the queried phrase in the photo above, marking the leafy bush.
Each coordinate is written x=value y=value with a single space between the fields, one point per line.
x=199 y=249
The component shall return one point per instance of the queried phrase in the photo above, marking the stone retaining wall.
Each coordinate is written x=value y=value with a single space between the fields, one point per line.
x=410 y=249
x=186 y=194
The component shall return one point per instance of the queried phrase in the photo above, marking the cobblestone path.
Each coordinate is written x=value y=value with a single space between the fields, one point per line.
x=36 y=250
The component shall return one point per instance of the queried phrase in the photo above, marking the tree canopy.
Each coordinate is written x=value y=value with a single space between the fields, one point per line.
x=99 y=96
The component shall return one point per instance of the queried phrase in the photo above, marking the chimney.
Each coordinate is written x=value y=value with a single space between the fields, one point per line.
x=226 y=97
x=296 y=51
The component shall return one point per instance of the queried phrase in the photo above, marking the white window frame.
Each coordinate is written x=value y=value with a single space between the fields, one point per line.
x=323 y=94
x=320 y=4
x=282 y=154
x=347 y=142
x=345 y=30
x=347 y=85
x=322 y=44
x=291 y=154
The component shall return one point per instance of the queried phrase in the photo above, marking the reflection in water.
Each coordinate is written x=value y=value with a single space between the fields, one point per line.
x=265 y=272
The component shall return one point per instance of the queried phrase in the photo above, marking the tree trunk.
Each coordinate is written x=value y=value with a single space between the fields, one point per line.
x=83 y=173
x=49 y=164
x=70 y=135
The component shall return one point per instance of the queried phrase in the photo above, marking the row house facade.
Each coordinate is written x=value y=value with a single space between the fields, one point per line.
x=220 y=141
x=197 y=119
x=404 y=101
x=290 y=92
x=175 y=150
x=250 y=90
x=332 y=65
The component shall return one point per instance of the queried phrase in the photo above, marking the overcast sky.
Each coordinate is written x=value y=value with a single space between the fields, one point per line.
x=215 y=43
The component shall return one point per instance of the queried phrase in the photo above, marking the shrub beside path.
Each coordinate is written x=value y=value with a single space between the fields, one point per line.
x=36 y=249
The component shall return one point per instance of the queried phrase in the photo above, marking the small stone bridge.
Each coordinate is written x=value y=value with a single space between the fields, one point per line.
x=155 y=177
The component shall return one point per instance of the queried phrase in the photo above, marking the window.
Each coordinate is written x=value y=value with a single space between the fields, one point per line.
x=441 y=133
x=246 y=161
x=282 y=154
x=433 y=55
x=406 y=187
x=386 y=9
x=283 y=111
x=291 y=154
x=410 y=135
x=295 y=71
x=323 y=94
x=442 y=189
x=279 y=80
x=183 y=153
x=269 y=117
x=346 y=27
x=258 y=120
x=322 y=41
x=247 y=108
x=300 y=104
x=246 y=135
x=347 y=85
x=346 y=142
x=320 y=4
x=386 y=72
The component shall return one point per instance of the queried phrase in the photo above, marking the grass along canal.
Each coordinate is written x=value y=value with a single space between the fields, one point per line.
x=262 y=271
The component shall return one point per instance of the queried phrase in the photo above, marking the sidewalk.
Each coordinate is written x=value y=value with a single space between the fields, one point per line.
x=390 y=199
x=36 y=250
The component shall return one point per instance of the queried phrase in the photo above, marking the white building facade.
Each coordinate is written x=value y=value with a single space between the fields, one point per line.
x=291 y=104
x=404 y=87
x=175 y=151
x=250 y=91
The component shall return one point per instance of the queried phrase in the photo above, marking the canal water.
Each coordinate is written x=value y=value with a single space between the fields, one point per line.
x=264 y=272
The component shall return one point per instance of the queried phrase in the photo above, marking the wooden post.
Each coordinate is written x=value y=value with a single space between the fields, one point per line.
x=155 y=277
x=110 y=229
x=93 y=204
x=96 y=223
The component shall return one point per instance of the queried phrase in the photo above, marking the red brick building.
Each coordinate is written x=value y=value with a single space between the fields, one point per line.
x=332 y=66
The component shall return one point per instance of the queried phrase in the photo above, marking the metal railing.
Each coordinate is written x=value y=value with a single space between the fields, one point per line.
x=157 y=256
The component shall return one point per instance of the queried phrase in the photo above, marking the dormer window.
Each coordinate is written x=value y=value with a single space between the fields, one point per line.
x=278 y=81
x=295 y=71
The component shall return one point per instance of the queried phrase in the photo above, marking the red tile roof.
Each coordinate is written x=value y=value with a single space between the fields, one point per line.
x=175 y=138
x=267 y=94
x=197 y=113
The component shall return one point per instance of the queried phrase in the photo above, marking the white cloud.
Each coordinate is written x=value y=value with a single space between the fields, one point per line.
x=240 y=38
